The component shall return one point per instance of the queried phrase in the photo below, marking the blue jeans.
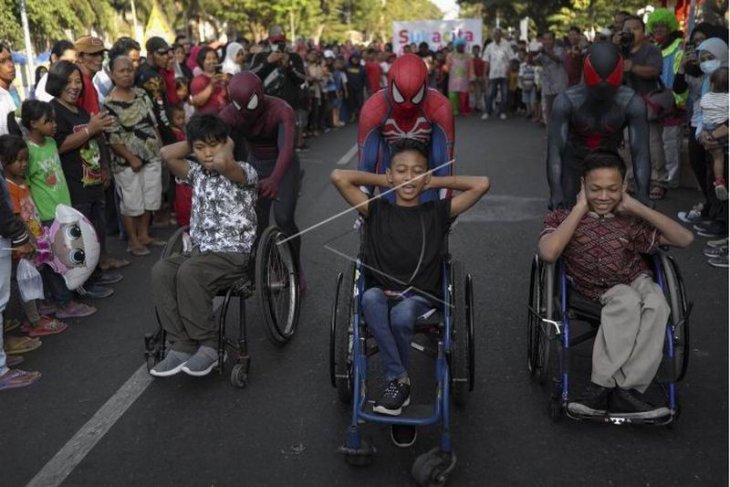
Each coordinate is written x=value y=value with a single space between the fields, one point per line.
x=391 y=323
x=492 y=93
x=5 y=267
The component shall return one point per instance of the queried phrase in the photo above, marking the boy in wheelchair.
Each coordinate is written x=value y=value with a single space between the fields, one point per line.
x=222 y=231
x=403 y=247
x=601 y=240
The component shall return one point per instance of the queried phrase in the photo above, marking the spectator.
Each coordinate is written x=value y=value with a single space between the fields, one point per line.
x=642 y=69
x=40 y=72
x=62 y=50
x=315 y=80
x=373 y=72
x=714 y=106
x=461 y=73
x=77 y=138
x=573 y=60
x=8 y=105
x=124 y=46
x=208 y=93
x=152 y=78
x=554 y=77
x=526 y=76
x=497 y=56
x=283 y=75
x=355 y=86
x=233 y=62
x=479 y=82
x=91 y=57
x=182 y=86
x=340 y=79
x=618 y=21
x=135 y=143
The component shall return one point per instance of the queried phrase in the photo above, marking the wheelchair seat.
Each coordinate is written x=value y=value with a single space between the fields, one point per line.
x=581 y=307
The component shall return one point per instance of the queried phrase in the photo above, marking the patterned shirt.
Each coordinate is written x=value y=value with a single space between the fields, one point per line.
x=604 y=251
x=136 y=129
x=223 y=217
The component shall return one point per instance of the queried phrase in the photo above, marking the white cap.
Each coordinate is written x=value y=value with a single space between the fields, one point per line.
x=328 y=54
x=534 y=46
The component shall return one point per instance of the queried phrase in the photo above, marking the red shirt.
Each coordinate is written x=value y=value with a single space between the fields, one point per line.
x=374 y=73
x=89 y=99
x=604 y=251
x=169 y=76
x=218 y=99
x=479 y=65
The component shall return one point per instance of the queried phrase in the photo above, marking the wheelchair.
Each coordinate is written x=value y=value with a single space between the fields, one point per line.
x=272 y=276
x=554 y=305
x=450 y=336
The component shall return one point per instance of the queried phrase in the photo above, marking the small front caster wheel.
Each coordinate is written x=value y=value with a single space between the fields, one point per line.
x=239 y=375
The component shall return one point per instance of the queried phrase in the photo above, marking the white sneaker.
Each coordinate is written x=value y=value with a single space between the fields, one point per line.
x=717 y=243
x=485 y=116
x=503 y=116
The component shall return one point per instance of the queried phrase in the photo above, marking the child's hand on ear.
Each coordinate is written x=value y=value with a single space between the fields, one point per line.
x=627 y=204
x=581 y=201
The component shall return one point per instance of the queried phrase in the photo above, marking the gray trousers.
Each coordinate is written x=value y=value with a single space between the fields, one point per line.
x=656 y=151
x=629 y=344
x=184 y=286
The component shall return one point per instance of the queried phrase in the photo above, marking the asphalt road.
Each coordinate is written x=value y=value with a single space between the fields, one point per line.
x=285 y=427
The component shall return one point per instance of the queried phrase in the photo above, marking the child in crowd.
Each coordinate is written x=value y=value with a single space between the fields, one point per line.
x=373 y=71
x=182 y=89
x=714 y=105
x=183 y=191
x=403 y=276
x=340 y=80
x=513 y=85
x=222 y=231
x=601 y=240
x=14 y=156
x=48 y=189
x=355 y=86
x=529 y=89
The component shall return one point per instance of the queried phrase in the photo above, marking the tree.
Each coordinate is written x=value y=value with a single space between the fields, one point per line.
x=589 y=15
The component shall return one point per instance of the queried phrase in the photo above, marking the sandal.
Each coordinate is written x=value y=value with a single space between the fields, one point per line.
x=154 y=242
x=657 y=193
x=11 y=324
x=138 y=251
x=13 y=360
x=19 y=345
x=46 y=326
x=112 y=263
x=14 y=378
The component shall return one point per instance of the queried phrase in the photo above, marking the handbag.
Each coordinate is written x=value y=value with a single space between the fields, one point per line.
x=660 y=103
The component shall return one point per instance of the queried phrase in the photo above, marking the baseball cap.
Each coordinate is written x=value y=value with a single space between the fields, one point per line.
x=155 y=44
x=276 y=34
x=89 y=45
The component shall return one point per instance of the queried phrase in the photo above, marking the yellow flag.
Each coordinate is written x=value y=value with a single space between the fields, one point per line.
x=157 y=25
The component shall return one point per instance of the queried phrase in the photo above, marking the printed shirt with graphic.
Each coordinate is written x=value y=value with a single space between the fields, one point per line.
x=136 y=129
x=223 y=217
x=527 y=76
x=81 y=166
x=604 y=251
x=46 y=179
x=24 y=207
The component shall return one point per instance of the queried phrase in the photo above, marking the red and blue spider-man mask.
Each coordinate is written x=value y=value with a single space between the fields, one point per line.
x=407 y=82
x=247 y=95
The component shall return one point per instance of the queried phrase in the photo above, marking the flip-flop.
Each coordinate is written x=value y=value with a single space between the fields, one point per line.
x=13 y=360
x=11 y=324
x=113 y=263
x=155 y=243
x=19 y=345
x=15 y=378
x=139 y=251
x=47 y=326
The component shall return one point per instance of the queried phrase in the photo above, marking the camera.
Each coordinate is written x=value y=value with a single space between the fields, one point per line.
x=626 y=40
x=279 y=47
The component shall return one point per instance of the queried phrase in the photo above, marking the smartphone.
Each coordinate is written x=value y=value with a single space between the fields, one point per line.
x=218 y=68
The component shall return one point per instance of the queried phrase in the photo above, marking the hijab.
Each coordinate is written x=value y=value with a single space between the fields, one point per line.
x=230 y=66
x=718 y=48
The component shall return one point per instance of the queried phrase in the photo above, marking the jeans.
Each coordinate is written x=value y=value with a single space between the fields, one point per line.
x=492 y=93
x=391 y=323
x=5 y=267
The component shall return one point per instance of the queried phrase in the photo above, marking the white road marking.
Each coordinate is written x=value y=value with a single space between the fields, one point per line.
x=344 y=160
x=75 y=450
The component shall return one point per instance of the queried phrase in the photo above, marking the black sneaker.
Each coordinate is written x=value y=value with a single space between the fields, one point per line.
x=593 y=401
x=396 y=396
x=402 y=435
x=630 y=403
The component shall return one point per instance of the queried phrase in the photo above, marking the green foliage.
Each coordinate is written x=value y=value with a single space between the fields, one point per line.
x=589 y=14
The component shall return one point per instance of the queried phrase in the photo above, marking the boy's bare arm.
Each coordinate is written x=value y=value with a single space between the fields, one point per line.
x=672 y=233
x=471 y=188
x=174 y=155
x=348 y=183
x=551 y=245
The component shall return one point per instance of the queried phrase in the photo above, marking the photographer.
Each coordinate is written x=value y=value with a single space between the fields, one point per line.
x=282 y=73
x=208 y=89
x=642 y=69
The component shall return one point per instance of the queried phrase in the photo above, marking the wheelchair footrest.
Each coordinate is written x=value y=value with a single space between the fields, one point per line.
x=618 y=419
x=412 y=412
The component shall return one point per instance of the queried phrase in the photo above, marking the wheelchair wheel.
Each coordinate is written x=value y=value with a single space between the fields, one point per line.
x=462 y=332
x=675 y=294
x=541 y=306
x=277 y=283
x=341 y=370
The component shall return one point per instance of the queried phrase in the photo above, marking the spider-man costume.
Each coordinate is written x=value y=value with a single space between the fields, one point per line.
x=590 y=116
x=268 y=125
x=406 y=108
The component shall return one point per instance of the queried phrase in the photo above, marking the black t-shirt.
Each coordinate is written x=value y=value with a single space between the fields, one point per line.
x=404 y=246
x=81 y=166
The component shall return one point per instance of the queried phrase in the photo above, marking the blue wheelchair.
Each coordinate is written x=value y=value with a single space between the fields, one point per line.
x=553 y=309
x=450 y=339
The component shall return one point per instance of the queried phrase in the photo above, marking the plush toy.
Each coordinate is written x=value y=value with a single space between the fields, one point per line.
x=74 y=246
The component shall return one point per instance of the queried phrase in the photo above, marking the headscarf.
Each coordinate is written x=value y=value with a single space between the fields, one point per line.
x=230 y=66
x=718 y=48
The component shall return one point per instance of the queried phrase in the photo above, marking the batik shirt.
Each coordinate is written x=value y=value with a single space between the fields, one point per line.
x=605 y=251
x=223 y=217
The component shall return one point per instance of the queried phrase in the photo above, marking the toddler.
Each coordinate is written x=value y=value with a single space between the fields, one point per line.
x=714 y=106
